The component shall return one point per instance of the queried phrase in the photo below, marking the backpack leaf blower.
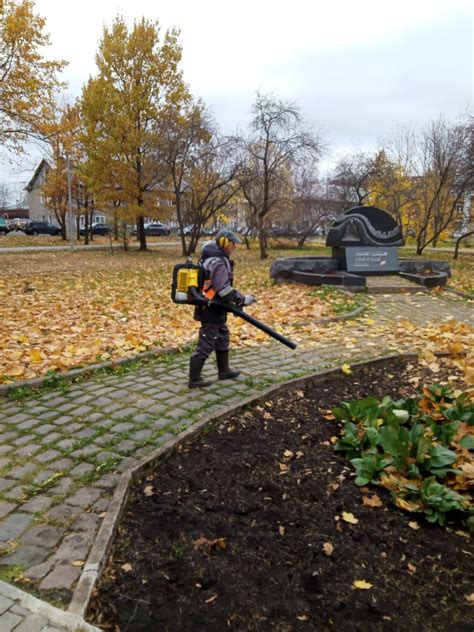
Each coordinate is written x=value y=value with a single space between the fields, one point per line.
x=186 y=290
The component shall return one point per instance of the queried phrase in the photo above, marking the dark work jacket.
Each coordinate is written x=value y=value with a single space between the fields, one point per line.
x=217 y=267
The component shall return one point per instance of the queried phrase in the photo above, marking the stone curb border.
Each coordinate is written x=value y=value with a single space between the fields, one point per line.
x=37 y=382
x=55 y=616
x=93 y=566
x=459 y=293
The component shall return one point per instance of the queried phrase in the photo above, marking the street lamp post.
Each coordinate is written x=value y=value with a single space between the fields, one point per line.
x=69 y=203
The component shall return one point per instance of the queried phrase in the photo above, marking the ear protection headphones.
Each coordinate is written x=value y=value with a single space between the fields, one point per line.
x=223 y=242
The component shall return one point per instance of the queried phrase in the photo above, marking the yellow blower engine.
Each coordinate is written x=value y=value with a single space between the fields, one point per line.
x=186 y=276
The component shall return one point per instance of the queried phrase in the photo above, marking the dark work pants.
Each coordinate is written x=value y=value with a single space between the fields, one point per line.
x=212 y=337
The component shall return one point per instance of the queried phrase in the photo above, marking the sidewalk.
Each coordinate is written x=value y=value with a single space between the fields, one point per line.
x=118 y=246
x=115 y=246
x=63 y=452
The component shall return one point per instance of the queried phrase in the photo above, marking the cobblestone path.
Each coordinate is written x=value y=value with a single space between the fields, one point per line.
x=62 y=452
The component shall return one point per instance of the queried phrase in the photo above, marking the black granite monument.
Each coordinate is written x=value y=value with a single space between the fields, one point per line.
x=364 y=242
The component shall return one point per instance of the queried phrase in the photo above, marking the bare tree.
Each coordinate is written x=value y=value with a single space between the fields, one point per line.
x=4 y=197
x=354 y=177
x=278 y=140
x=312 y=207
x=214 y=182
x=444 y=174
x=184 y=135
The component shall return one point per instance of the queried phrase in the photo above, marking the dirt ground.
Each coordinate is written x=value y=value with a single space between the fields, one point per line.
x=234 y=532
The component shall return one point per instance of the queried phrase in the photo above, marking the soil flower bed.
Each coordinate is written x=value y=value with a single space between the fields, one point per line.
x=258 y=525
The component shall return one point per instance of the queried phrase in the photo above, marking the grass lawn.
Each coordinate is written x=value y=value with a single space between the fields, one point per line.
x=66 y=309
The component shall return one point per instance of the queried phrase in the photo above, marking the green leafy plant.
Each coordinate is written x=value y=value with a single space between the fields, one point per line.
x=438 y=500
x=415 y=447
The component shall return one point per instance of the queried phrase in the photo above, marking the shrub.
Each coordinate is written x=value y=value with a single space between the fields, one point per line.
x=418 y=448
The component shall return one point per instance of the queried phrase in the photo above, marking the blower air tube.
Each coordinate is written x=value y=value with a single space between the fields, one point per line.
x=197 y=299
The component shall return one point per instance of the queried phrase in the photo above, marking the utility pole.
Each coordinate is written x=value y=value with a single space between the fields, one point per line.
x=69 y=203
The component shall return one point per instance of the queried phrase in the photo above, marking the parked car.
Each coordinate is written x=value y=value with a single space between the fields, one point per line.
x=4 y=230
x=41 y=228
x=209 y=232
x=186 y=230
x=96 y=228
x=17 y=223
x=154 y=229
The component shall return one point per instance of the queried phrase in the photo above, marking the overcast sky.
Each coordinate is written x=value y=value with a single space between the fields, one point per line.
x=356 y=68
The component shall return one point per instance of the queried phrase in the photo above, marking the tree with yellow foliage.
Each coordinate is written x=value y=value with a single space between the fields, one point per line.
x=138 y=80
x=27 y=81
x=65 y=153
x=392 y=189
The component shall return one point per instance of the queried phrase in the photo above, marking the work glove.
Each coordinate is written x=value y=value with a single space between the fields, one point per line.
x=249 y=299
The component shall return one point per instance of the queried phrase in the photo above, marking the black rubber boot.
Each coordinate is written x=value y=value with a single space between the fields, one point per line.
x=195 y=367
x=225 y=372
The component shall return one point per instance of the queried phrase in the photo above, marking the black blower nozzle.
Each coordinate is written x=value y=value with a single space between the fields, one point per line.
x=198 y=299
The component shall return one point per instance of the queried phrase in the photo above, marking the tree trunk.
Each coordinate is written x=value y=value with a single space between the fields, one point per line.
x=263 y=243
x=193 y=242
x=458 y=241
x=86 y=226
x=141 y=232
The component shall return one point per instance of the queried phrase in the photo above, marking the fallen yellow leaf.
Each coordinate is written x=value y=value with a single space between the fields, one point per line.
x=361 y=584
x=35 y=356
x=372 y=501
x=78 y=563
x=345 y=368
x=15 y=371
x=348 y=517
x=462 y=534
x=328 y=548
x=407 y=505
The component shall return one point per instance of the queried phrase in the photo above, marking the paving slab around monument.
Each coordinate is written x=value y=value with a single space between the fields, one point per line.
x=62 y=453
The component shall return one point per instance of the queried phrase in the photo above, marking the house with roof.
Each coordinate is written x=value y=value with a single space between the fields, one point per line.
x=37 y=202
x=39 y=212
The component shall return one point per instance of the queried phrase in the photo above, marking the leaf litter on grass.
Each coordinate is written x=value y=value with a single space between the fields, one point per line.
x=66 y=310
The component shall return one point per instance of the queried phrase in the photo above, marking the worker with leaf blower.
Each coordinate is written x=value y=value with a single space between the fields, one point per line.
x=217 y=283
